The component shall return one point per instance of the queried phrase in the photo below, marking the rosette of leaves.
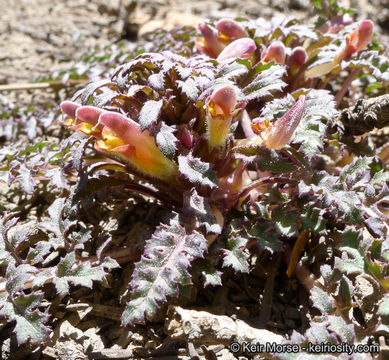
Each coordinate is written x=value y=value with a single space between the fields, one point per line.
x=176 y=102
x=170 y=98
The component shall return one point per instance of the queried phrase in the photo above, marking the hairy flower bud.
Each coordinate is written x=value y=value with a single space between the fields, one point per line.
x=275 y=52
x=279 y=134
x=209 y=43
x=220 y=108
x=241 y=48
x=230 y=30
x=337 y=23
x=297 y=58
x=360 y=37
x=354 y=42
x=82 y=118
x=69 y=108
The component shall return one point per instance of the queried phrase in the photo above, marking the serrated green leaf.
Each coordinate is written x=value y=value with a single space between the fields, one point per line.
x=319 y=110
x=78 y=273
x=198 y=173
x=344 y=331
x=310 y=219
x=30 y=321
x=380 y=178
x=233 y=70
x=351 y=237
x=266 y=236
x=17 y=276
x=235 y=254
x=161 y=269
x=322 y=300
x=38 y=252
x=150 y=113
x=58 y=178
x=285 y=221
x=354 y=264
x=346 y=203
x=166 y=140
x=318 y=333
x=26 y=179
x=189 y=88
x=272 y=160
x=267 y=81
x=206 y=268
x=57 y=225
x=198 y=207
x=373 y=62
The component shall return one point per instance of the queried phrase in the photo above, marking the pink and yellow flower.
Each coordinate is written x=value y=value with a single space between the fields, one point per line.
x=354 y=42
x=241 y=48
x=275 y=53
x=229 y=30
x=220 y=109
x=214 y=40
x=277 y=135
x=121 y=137
x=209 y=43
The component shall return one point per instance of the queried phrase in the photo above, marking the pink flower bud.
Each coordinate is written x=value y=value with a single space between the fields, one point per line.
x=337 y=23
x=298 y=56
x=84 y=118
x=185 y=136
x=297 y=59
x=275 y=52
x=220 y=109
x=360 y=37
x=222 y=102
x=241 y=48
x=230 y=30
x=356 y=41
x=280 y=133
x=209 y=43
x=69 y=108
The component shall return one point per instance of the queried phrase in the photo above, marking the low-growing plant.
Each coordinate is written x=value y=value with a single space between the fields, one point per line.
x=237 y=131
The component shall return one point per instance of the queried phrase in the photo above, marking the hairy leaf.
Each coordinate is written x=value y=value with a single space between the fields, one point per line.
x=322 y=301
x=235 y=254
x=150 y=113
x=197 y=172
x=30 y=321
x=162 y=268
x=267 y=81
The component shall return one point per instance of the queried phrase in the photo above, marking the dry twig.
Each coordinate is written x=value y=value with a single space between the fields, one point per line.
x=365 y=115
x=209 y=329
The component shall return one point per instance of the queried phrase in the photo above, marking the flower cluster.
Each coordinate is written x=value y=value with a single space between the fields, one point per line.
x=235 y=123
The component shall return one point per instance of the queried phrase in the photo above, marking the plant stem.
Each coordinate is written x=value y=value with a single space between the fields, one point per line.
x=339 y=96
x=296 y=252
x=245 y=122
